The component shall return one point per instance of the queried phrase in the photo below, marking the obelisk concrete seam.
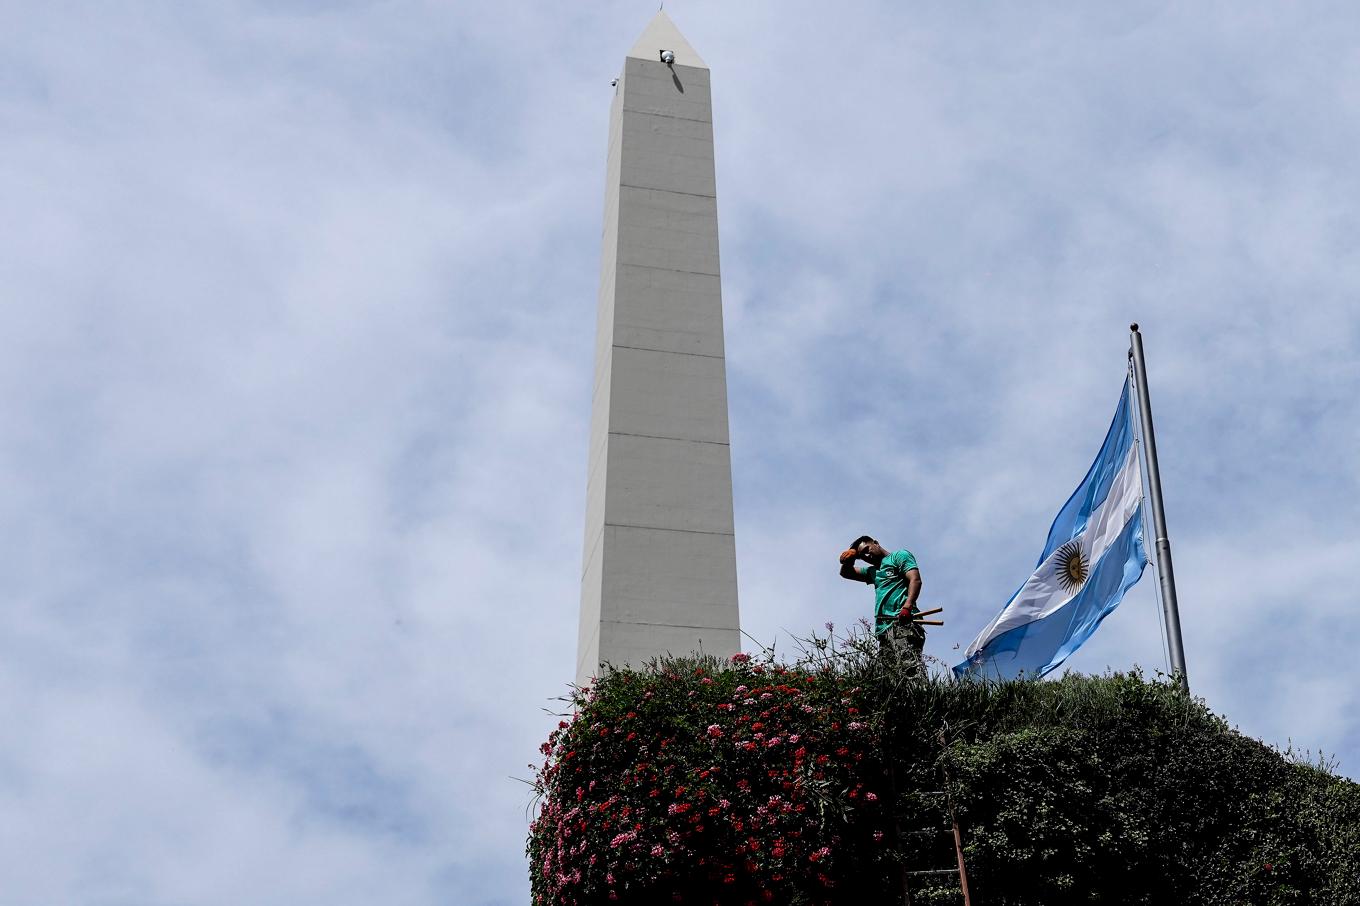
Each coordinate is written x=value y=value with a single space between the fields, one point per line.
x=697 y=355
x=677 y=625
x=688 y=440
x=673 y=270
x=628 y=185
x=663 y=528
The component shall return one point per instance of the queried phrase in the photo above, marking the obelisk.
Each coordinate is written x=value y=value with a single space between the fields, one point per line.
x=659 y=571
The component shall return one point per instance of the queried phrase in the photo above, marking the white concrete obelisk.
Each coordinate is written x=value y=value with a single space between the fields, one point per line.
x=660 y=572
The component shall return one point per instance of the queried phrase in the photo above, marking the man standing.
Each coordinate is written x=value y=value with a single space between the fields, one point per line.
x=897 y=584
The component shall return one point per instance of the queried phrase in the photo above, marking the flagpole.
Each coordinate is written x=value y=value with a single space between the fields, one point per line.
x=1164 y=570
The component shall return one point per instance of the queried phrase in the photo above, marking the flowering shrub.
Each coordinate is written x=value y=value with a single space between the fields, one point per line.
x=750 y=781
x=818 y=781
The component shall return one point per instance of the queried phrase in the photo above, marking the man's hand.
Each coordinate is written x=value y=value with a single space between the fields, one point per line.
x=848 y=558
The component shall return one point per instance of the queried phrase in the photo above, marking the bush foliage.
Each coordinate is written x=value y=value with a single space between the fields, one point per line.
x=827 y=778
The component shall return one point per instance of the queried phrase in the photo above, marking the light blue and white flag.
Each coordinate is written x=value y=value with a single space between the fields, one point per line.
x=1094 y=554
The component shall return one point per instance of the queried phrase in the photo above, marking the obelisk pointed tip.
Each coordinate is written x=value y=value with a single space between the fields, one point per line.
x=661 y=35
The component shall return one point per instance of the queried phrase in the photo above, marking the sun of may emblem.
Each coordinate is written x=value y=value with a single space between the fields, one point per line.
x=1071 y=566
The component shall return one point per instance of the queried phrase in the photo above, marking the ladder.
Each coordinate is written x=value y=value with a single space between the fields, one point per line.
x=911 y=877
x=941 y=803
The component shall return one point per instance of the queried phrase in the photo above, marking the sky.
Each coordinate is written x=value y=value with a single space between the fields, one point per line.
x=296 y=335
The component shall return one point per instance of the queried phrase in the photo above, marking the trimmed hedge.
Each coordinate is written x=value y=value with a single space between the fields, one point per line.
x=823 y=779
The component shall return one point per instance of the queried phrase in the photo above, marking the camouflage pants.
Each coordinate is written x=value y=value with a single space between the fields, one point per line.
x=906 y=641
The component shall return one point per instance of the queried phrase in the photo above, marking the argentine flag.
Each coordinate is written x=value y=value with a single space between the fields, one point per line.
x=1094 y=554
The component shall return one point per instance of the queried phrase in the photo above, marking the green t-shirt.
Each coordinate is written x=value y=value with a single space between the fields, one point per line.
x=890 y=586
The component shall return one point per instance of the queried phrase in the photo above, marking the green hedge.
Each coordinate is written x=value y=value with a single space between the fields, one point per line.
x=823 y=779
